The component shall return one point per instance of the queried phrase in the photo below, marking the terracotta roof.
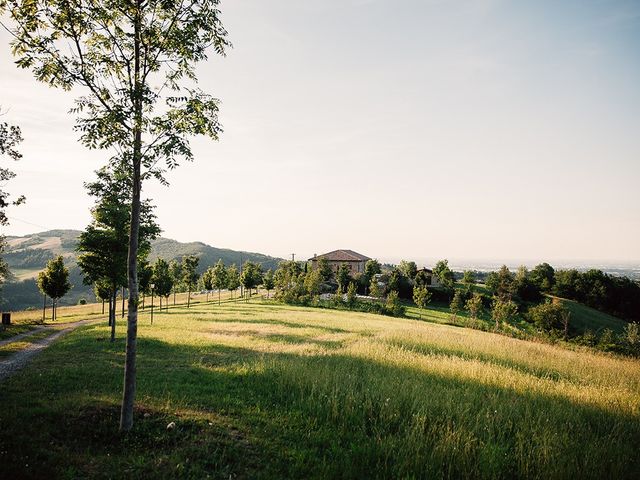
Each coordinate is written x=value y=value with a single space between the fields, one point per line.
x=342 y=256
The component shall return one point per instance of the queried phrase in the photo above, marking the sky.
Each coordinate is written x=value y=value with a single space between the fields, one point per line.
x=471 y=129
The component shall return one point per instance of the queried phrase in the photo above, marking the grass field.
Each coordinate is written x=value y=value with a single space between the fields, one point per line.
x=262 y=390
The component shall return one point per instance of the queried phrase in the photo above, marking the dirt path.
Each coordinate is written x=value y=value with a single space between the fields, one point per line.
x=15 y=362
x=22 y=335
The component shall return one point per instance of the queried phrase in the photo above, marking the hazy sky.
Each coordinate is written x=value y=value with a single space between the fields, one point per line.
x=461 y=129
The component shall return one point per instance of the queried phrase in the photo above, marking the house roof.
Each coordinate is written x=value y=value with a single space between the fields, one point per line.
x=342 y=256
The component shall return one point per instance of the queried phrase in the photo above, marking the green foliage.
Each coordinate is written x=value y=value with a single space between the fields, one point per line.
x=524 y=288
x=233 y=278
x=503 y=311
x=104 y=245
x=343 y=276
x=474 y=305
x=374 y=289
x=372 y=267
x=501 y=283
x=631 y=338
x=444 y=274
x=145 y=272
x=393 y=305
x=313 y=282
x=251 y=275
x=220 y=276
x=408 y=269
x=325 y=269
x=189 y=269
x=543 y=275
x=421 y=296
x=162 y=278
x=469 y=279
x=457 y=303
x=352 y=294
x=268 y=281
x=207 y=279
x=549 y=316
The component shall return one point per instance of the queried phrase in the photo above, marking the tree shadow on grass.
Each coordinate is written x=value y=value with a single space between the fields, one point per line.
x=244 y=413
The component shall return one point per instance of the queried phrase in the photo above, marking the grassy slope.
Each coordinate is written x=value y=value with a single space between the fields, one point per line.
x=268 y=391
x=586 y=318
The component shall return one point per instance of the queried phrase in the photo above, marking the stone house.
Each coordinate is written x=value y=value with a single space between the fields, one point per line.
x=354 y=260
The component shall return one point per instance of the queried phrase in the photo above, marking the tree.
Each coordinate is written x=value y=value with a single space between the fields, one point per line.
x=469 y=279
x=102 y=290
x=549 y=317
x=501 y=283
x=251 y=276
x=10 y=137
x=54 y=281
x=474 y=305
x=162 y=280
x=144 y=278
x=189 y=274
x=374 y=288
x=352 y=294
x=207 y=280
x=268 y=281
x=176 y=274
x=325 y=269
x=103 y=246
x=408 y=269
x=457 y=303
x=524 y=288
x=233 y=278
x=503 y=311
x=313 y=282
x=219 y=277
x=129 y=56
x=543 y=275
x=371 y=268
x=393 y=305
x=444 y=274
x=343 y=277
x=421 y=297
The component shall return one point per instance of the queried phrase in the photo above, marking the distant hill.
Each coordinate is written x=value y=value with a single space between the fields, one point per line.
x=28 y=255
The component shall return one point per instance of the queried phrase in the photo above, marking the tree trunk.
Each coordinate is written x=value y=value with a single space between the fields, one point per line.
x=44 y=306
x=174 y=296
x=112 y=315
x=218 y=296
x=102 y=306
x=122 y=313
x=189 y=296
x=129 y=390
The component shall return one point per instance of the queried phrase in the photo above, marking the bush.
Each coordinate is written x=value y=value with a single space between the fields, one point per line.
x=393 y=305
x=631 y=338
x=82 y=301
x=549 y=316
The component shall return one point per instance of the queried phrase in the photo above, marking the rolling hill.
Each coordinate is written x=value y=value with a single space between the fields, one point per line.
x=28 y=255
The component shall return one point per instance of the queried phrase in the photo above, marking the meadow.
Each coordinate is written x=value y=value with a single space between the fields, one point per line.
x=263 y=390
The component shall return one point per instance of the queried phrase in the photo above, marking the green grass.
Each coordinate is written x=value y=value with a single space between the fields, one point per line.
x=585 y=318
x=271 y=391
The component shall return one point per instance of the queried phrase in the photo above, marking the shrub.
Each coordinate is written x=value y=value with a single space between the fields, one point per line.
x=549 y=316
x=631 y=338
x=82 y=301
x=393 y=306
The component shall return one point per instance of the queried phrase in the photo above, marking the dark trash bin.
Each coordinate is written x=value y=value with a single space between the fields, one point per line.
x=6 y=318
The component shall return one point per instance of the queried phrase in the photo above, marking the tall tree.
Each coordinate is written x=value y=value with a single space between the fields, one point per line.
x=137 y=61
x=325 y=269
x=220 y=278
x=233 y=278
x=343 y=276
x=103 y=246
x=176 y=273
x=444 y=274
x=421 y=296
x=189 y=274
x=162 y=280
x=268 y=281
x=54 y=281
x=10 y=137
x=207 y=280
x=408 y=269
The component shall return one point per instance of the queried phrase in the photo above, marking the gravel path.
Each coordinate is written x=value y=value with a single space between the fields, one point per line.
x=20 y=336
x=15 y=362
